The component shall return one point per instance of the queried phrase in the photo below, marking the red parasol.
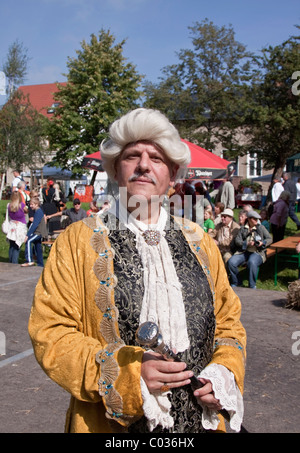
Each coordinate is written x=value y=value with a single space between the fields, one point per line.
x=204 y=164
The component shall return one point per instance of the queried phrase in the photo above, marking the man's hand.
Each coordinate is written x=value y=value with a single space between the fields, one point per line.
x=156 y=372
x=205 y=396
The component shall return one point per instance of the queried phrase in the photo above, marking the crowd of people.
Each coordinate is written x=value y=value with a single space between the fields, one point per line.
x=35 y=215
x=243 y=241
x=212 y=210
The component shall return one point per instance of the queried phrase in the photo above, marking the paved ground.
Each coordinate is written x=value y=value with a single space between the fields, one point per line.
x=31 y=403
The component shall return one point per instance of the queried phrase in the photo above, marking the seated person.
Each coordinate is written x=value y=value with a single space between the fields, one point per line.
x=242 y=217
x=251 y=242
x=265 y=219
x=219 y=208
x=224 y=234
x=208 y=225
x=76 y=213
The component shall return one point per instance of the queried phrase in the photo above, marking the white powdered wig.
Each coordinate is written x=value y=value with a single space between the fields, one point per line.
x=144 y=125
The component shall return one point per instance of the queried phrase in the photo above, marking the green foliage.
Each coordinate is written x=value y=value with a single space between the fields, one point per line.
x=15 y=66
x=245 y=183
x=101 y=86
x=275 y=107
x=21 y=133
x=255 y=186
x=218 y=91
x=204 y=92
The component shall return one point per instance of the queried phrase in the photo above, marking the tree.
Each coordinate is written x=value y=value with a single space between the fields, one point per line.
x=274 y=117
x=100 y=87
x=204 y=93
x=15 y=66
x=21 y=133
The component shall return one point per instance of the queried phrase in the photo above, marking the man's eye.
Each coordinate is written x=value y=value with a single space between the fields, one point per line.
x=156 y=159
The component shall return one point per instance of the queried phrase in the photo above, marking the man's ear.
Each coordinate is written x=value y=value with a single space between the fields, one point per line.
x=174 y=171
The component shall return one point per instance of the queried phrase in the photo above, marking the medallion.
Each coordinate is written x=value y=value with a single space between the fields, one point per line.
x=152 y=237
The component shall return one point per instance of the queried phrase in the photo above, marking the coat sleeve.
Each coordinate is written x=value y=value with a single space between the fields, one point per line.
x=64 y=329
x=230 y=335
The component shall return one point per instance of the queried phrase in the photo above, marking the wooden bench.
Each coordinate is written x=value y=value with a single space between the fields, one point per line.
x=270 y=252
x=287 y=244
x=47 y=245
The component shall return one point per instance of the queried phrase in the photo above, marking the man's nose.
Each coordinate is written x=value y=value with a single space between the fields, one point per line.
x=144 y=162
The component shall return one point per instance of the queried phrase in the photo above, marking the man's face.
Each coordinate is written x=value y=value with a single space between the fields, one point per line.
x=77 y=206
x=226 y=219
x=144 y=170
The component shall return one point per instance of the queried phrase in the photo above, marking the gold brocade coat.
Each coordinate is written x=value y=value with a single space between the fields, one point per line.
x=73 y=326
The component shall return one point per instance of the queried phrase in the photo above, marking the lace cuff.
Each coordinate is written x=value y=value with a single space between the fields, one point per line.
x=227 y=392
x=156 y=408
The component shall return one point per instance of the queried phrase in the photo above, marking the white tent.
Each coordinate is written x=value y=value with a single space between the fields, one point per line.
x=55 y=173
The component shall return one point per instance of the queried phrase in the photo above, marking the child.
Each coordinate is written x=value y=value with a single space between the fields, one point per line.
x=35 y=235
x=208 y=225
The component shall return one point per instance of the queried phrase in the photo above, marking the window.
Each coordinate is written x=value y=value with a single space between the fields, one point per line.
x=53 y=107
x=254 y=165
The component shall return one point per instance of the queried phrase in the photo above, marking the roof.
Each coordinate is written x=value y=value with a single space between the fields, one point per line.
x=41 y=96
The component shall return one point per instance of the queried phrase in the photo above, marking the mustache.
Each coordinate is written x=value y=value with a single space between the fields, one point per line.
x=137 y=175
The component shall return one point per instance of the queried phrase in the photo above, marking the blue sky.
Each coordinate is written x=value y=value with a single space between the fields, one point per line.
x=52 y=30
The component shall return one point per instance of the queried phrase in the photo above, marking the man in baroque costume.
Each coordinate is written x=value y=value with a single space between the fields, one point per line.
x=108 y=274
